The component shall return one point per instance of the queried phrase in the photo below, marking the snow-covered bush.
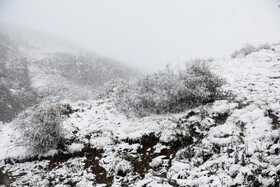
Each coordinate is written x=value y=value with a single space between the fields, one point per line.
x=248 y=49
x=168 y=91
x=264 y=46
x=110 y=88
x=40 y=126
x=244 y=51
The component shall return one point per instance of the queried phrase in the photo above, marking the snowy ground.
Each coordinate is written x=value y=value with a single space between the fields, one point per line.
x=232 y=142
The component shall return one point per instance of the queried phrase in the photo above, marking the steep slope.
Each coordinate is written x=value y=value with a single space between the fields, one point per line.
x=232 y=142
x=74 y=77
x=45 y=67
x=16 y=92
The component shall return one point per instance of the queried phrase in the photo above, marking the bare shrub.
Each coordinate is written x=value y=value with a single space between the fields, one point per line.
x=40 y=126
x=168 y=91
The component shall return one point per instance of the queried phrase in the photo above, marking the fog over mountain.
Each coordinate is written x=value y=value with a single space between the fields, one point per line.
x=149 y=34
x=36 y=66
x=100 y=93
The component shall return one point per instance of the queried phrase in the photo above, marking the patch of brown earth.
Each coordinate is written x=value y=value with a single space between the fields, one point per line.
x=92 y=161
x=5 y=179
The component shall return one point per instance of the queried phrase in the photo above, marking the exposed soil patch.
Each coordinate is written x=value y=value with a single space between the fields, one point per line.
x=190 y=114
x=275 y=120
x=141 y=164
x=68 y=110
x=221 y=118
x=5 y=179
x=61 y=158
x=146 y=154
x=92 y=162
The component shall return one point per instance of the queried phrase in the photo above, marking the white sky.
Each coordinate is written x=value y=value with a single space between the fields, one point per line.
x=148 y=34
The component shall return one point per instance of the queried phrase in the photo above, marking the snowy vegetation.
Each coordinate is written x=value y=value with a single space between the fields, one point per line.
x=188 y=132
x=40 y=126
x=248 y=49
x=168 y=91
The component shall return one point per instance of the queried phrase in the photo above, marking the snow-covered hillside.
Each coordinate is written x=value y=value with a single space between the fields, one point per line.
x=35 y=66
x=231 y=142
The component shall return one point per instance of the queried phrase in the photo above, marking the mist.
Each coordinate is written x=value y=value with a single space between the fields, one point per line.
x=139 y=93
x=150 y=34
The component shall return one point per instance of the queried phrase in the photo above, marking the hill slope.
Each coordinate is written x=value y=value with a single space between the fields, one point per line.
x=36 y=67
x=16 y=92
x=232 y=142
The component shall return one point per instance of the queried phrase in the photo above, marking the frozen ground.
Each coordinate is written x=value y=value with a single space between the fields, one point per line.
x=232 y=142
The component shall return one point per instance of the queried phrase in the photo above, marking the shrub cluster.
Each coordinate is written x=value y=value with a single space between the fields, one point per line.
x=168 y=91
x=41 y=126
x=248 y=49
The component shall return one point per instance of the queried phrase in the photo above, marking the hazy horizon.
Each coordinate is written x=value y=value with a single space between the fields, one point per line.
x=149 y=34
